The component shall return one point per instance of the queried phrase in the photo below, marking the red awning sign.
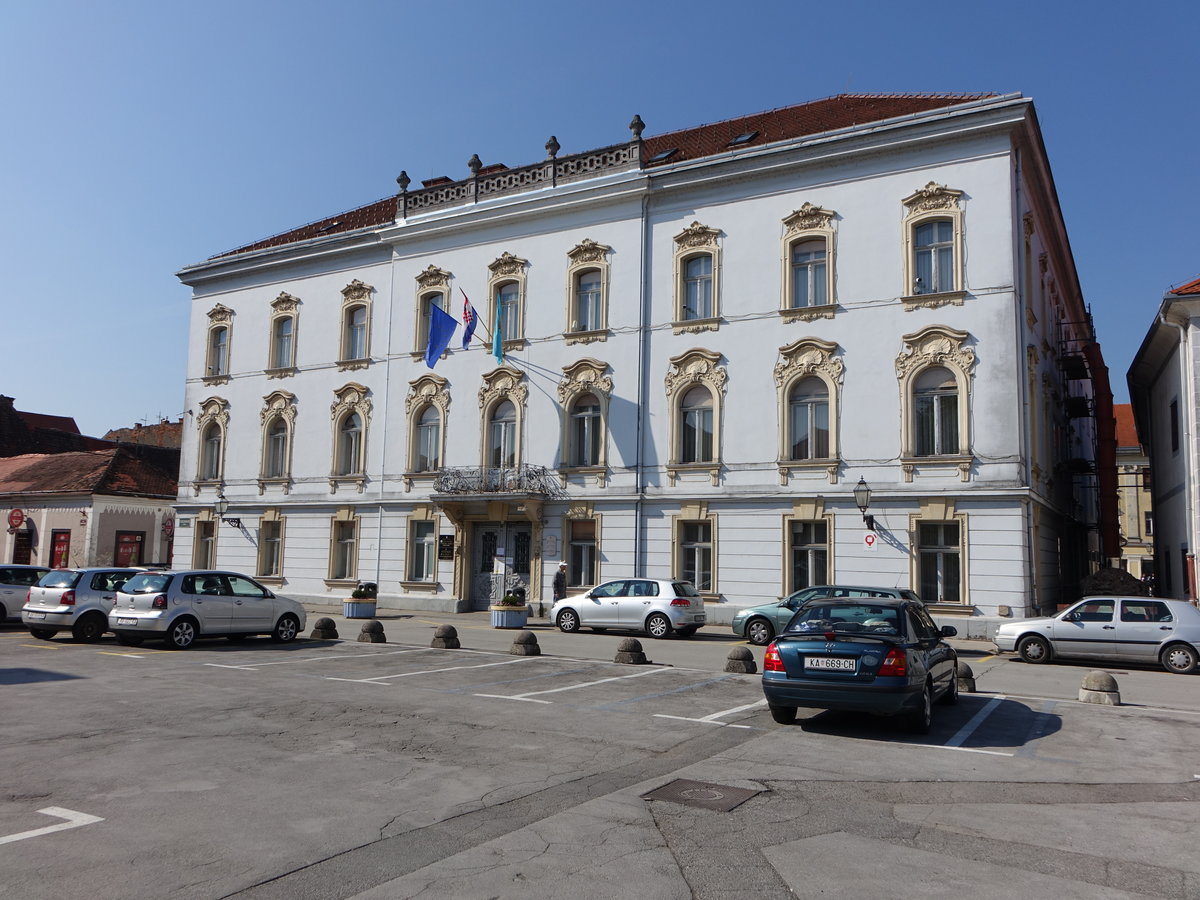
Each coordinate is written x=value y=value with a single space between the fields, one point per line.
x=16 y=518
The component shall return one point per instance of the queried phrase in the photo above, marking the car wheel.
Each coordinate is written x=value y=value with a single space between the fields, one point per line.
x=1034 y=649
x=922 y=718
x=568 y=621
x=951 y=695
x=658 y=626
x=43 y=634
x=1178 y=658
x=181 y=634
x=759 y=632
x=89 y=629
x=130 y=640
x=784 y=715
x=286 y=629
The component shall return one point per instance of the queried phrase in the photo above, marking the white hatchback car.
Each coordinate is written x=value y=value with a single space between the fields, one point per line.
x=74 y=600
x=182 y=606
x=658 y=607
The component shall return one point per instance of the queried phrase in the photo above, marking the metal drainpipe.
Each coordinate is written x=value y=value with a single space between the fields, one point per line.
x=387 y=381
x=639 y=548
x=1032 y=600
x=1189 y=573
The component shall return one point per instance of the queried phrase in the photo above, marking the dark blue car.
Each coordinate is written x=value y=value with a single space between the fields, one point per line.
x=877 y=655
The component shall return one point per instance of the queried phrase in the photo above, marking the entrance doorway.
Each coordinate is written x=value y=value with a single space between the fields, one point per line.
x=500 y=553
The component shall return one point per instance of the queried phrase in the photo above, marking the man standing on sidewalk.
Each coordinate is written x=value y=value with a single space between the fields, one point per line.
x=560 y=582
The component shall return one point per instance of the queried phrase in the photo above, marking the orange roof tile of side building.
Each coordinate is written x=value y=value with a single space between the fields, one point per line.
x=1191 y=288
x=1126 y=428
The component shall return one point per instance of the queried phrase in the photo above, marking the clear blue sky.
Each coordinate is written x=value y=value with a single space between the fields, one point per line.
x=143 y=136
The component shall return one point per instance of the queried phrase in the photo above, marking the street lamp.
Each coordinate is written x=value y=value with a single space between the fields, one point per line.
x=862 y=498
x=221 y=507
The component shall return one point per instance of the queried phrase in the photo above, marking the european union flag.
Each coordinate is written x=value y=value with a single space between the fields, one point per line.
x=441 y=329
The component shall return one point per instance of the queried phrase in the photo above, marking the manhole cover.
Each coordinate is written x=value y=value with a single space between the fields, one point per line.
x=704 y=794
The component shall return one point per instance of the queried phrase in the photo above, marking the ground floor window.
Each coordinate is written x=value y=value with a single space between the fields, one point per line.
x=940 y=562
x=204 y=554
x=129 y=548
x=270 y=549
x=581 y=562
x=810 y=554
x=343 y=561
x=696 y=552
x=421 y=552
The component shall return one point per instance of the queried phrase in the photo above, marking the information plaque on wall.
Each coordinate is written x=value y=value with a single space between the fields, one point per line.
x=445 y=546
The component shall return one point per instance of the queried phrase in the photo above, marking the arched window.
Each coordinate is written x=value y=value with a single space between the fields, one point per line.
x=696 y=423
x=283 y=342
x=935 y=411
x=587 y=309
x=810 y=281
x=428 y=441
x=808 y=420
x=275 y=460
x=698 y=287
x=508 y=302
x=585 y=431
x=210 y=452
x=502 y=436
x=933 y=257
x=218 y=351
x=349 y=450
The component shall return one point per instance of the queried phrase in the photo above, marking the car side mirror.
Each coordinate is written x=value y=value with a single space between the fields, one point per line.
x=269 y=595
x=949 y=631
x=1071 y=617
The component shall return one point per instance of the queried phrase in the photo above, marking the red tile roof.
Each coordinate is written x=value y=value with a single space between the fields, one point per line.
x=44 y=420
x=802 y=120
x=1126 y=429
x=95 y=472
x=1192 y=287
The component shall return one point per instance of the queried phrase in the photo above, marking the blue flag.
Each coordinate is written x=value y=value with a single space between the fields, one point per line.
x=441 y=329
x=470 y=320
x=497 y=338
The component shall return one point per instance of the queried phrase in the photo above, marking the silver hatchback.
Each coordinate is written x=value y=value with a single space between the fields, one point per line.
x=658 y=607
x=75 y=600
x=182 y=606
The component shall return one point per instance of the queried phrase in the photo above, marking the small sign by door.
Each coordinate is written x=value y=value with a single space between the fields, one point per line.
x=445 y=546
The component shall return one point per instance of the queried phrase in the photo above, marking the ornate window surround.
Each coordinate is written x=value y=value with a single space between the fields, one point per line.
x=934 y=201
x=277 y=405
x=584 y=256
x=806 y=510
x=696 y=366
x=696 y=511
x=935 y=345
x=343 y=515
x=423 y=513
x=285 y=306
x=351 y=398
x=583 y=510
x=505 y=268
x=502 y=383
x=809 y=357
x=941 y=509
x=355 y=294
x=584 y=376
x=220 y=316
x=427 y=391
x=206 y=516
x=271 y=514
x=214 y=410
x=697 y=240
x=808 y=223
x=431 y=280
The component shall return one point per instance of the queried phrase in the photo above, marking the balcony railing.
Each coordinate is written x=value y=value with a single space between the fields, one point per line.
x=536 y=480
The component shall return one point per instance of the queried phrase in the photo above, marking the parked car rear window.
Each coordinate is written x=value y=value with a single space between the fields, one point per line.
x=62 y=578
x=846 y=618
x=147 y=583
x=685 y=589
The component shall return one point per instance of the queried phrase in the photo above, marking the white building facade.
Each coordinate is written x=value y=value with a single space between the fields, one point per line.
x=708 y=338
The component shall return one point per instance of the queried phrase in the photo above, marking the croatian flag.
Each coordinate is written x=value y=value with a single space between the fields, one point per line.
x=470 y=320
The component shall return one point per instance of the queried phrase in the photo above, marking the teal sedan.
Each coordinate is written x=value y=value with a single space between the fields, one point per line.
x=760 y=624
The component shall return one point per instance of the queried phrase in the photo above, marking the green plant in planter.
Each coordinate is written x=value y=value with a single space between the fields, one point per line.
x=512 y=600
x=365 y=592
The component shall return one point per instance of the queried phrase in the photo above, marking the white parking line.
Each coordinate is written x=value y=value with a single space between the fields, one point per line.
x=73 y=820
x=379 y=679
x=284 y=662
x=976 y=720
x=570 y=687
x=712 y=718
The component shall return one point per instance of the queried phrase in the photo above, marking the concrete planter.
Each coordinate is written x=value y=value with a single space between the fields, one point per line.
x=358 y=609
x=509 y=616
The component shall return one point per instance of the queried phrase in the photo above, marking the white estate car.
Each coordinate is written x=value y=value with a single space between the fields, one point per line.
x=1122 y=629
x=658 y=607
x=179 y=607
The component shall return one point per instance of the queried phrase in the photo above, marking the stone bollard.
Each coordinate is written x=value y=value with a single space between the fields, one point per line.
x=966 y=678
x=1099 y=687
x=741 y=660
x=525 y=644
x=445 y=637
x=630 y=651
x=372 y=632
x=324 y=630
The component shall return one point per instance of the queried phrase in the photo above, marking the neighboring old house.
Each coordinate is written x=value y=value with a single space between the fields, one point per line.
x=1135 y=484
x=691 y=348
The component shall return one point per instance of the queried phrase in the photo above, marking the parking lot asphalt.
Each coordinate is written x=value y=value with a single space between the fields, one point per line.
x=346 y=769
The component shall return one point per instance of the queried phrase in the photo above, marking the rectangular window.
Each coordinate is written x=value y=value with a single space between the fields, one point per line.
x=204 y=549
x=939 y=559
x=588 y=305
x=1148 y=524
x=808 y=274
x=422 y=556
x=1174 y=426
x=696 y=551
x=697 y=436
x=1147 y=482
x=270 y=549
x=697 y=283
x=344 y=562
x=810 y=554
x=937 y=424
x=581 y=539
